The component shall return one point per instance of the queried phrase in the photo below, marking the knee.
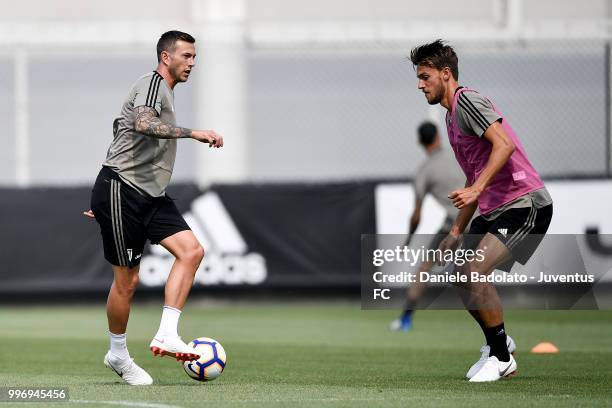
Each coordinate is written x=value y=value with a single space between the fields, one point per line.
x=127 y=287
x=134 y=283
x=193 y=255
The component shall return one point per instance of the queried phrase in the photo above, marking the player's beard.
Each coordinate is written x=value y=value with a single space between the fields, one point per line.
x=435 y=96
x=179 y=74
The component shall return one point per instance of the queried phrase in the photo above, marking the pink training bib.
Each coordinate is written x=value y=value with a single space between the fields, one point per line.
x=516 y=178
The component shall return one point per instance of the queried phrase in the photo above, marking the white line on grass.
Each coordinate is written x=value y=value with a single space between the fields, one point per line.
x=126 y=403
x=330 y=399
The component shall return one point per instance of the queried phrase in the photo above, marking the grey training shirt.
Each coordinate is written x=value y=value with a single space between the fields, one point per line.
x=144 y=162
x=439 y=175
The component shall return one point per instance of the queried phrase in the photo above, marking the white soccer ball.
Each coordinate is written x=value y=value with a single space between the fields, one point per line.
x=212 y=360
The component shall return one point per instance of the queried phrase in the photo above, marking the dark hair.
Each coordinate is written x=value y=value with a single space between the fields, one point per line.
x=436 y=55
x=427 y=133
x=168 y=40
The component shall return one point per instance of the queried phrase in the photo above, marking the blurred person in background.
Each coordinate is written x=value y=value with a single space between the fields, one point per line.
x=438 y=175
x=130 y=204
x=515 y=208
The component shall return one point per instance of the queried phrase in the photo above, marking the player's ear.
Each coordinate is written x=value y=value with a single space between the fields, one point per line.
x=446 y=73
x=165 y=57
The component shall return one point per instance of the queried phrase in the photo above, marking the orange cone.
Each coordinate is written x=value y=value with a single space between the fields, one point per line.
x=545 y=348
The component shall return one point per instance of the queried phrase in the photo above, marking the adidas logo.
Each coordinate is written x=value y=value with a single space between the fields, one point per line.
x=227 y=259
x=503 y=231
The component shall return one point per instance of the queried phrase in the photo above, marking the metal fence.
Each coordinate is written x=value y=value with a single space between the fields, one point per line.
x=341 y=113
x=318 y=113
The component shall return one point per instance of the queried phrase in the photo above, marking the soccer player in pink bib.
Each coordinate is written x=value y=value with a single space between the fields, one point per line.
x=515 y=209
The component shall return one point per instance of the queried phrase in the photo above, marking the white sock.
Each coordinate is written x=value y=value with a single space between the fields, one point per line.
x=118 y=346
x=169 y=322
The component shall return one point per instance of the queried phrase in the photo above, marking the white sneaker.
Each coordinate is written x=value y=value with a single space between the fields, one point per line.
x=395 y=325
x=128 y=370
x=493 y=370
x=400 y=326
x=485 y=350
x=173 y=346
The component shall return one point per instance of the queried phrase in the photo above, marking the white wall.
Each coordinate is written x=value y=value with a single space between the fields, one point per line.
x=65 y=10
x=553 y=9
x=577 y=205
x=369 y=9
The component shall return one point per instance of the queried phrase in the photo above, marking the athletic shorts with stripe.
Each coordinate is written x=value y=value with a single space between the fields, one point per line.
x=520 y=229
x=127 y=218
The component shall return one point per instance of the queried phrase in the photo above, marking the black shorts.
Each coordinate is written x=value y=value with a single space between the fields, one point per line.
x=520 y=229
x=127 y=218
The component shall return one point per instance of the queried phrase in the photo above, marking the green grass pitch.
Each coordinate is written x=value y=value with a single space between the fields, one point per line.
x=304 y=355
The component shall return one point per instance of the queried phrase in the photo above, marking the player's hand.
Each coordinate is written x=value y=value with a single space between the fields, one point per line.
x=208 y=136
x=464 y=196
x=89 y=214
x=451 y=241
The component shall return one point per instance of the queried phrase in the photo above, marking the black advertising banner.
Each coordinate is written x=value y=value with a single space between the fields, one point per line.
x=48 y=246
x=279 y=236
x=275 y=235
x=254 y=235
x=309 y=234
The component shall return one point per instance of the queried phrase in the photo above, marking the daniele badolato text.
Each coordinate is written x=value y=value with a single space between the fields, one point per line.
x=452 y=259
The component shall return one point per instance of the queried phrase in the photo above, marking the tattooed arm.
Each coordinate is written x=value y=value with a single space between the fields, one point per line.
x=147 y=122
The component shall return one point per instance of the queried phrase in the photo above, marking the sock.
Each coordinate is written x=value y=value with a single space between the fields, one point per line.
x=118 y=346
x=169 y=321
x=410 y=305
x=496 y=339
x=408 y=310
x=481 y=324
x=407 y=316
